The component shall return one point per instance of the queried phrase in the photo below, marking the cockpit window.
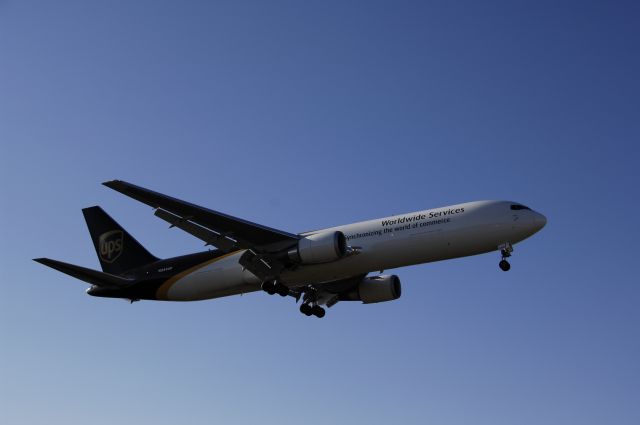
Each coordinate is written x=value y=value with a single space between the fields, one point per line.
x=517 y=207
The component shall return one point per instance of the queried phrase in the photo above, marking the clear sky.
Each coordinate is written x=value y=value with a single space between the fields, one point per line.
x=301 y=115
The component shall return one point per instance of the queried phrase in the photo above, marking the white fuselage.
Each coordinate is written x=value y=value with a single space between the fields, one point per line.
x=401 y=240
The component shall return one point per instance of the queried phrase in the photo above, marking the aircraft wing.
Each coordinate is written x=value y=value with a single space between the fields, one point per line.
x=215 y=228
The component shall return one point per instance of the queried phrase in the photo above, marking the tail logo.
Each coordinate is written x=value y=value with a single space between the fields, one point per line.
x=111 y=244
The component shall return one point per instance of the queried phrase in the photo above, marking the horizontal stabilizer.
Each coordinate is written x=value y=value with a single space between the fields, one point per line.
x=93 y=277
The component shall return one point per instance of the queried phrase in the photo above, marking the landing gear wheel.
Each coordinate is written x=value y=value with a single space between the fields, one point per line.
x=282 y=290
x=274 y=287
x=318 y=311
x=505 y=251
x=504 y=265
x=306 y=309
x=269 y=288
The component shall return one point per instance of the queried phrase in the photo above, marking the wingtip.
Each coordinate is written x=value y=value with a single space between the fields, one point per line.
x=91 y=208
x=110 y=183
x=117 y=185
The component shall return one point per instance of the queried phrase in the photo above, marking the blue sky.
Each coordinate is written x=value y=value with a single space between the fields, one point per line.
x=303 y=115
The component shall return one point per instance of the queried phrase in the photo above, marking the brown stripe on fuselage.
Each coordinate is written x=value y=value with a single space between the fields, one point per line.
x=162 y=292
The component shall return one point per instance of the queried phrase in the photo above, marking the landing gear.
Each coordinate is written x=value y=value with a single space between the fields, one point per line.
x=505 y=250
x=315 y=310
x=504 y=265
x=309 y=306
x=282 y=290
x=318 y=311
x=272 y=287
x=305 y=309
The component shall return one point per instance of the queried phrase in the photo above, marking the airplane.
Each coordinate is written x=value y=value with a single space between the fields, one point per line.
x=318 y=268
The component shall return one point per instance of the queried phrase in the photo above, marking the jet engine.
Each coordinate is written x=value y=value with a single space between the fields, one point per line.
x=319 y=248
x=375 y=289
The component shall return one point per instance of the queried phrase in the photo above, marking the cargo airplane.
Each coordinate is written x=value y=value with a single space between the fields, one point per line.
x=318 y=268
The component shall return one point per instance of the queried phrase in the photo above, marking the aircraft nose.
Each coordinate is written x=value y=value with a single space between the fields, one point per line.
x=539 y=221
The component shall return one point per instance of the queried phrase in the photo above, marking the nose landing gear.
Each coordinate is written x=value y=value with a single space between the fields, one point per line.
x=505 y=250
x=504 y=265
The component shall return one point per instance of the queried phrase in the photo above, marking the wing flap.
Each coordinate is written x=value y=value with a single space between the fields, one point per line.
x=210 y=237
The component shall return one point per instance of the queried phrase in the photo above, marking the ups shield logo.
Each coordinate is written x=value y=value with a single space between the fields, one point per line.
x=111 y=245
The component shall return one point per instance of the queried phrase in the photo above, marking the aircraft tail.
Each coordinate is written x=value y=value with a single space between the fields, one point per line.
x=117 y=250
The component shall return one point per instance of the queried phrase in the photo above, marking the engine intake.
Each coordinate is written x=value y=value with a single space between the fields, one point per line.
x=319 y=248
x=375 y=289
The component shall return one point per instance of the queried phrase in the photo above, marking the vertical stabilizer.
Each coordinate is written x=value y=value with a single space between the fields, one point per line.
x=117 y=250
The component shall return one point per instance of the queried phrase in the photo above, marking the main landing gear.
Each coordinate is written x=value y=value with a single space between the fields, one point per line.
x=312 y=309
x=505 y=250
x=272 y=287
x=309 y=306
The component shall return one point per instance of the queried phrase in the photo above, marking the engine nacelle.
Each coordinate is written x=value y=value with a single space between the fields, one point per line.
x=319 y=248
x=375 y=289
